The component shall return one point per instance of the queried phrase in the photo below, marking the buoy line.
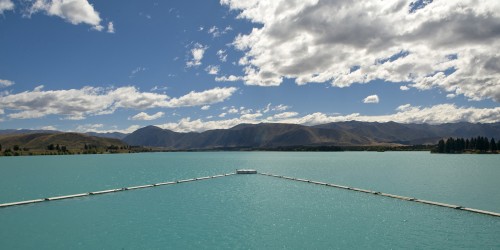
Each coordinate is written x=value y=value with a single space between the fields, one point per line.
x=10 y=204
x=479 y=211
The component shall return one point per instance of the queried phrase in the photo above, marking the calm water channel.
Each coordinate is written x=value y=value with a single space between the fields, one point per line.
x=250 y=211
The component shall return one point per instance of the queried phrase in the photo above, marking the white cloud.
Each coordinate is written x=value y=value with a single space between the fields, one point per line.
x=267 y=108
x=135 y=71
x=216 y=32
x=280 y=107
x=222 y=55
x=38 y=88
x=89 y=127
x=197 y=53
x=404 y=107
x=212 y=69
x=50 y=127
x=205 y=107
x=250 y=117
x=159 y=88
x=6 y=5
x=210 y=96
x=76 y=104
x=5 y=83
x=111 y=27
x=442 y=113
x=451 y=45
x=222 y=115
x=371 y=99
x=233 y=110
x=98 y=128
x=284 y=115
x=188 y=125
x=404 y=88
x=143 y=116
x=73 y=11
x=230 y=78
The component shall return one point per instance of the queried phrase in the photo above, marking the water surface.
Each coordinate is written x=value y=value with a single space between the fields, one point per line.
x=250 y=211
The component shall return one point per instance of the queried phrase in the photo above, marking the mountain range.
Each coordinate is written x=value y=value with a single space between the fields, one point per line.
x=272 y=135
x=261 y=136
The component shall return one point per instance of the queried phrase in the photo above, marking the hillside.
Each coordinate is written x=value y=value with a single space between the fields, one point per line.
x=72 y=141
x=271 y=135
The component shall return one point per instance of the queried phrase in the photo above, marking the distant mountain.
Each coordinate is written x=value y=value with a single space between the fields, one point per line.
x=411 y=134
x=70 y=140
x=114 y=135
x=269 y=135
x=25 y=131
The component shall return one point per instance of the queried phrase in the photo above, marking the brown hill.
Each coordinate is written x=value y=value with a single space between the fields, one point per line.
x=40 y=141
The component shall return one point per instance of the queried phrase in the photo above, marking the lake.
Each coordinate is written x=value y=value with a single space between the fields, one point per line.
x=250 y=211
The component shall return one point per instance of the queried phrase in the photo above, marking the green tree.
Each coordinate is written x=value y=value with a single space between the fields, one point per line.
x=493 y=145
x=449 y=146
x=441 y=145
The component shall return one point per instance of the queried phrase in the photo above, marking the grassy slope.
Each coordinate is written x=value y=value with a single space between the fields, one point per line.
x=40 y=141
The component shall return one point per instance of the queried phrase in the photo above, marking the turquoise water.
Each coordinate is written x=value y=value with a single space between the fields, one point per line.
x=250 y=211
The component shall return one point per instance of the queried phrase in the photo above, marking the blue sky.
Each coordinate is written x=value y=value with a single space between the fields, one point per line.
x=83 y=65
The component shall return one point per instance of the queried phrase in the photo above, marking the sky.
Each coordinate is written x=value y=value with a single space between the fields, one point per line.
x=119 y=65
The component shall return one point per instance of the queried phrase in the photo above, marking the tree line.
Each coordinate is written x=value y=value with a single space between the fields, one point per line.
x=460 y=145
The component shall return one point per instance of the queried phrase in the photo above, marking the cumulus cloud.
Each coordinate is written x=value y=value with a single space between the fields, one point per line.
x=284 y=115
x=76 y=104
x=111 y=27
x=442 y=113
x=205 y=107
x=210 y=96
x=230 y=78
x=249 y=117
x=212 y=69
x=451 y=45
x=143 y=116
x=371 y=99
x=404 y=88
x=5 y=83
x=233 y=111
x=450 y=96
x=188 y=125
x=197 y=53
x=216 y=32
x=50 y=127
x=73 y=11
x=404 y=107
x=99 y=128
x=280 y=107
x=89 y=127
x=222 y=55
x=6 y=5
